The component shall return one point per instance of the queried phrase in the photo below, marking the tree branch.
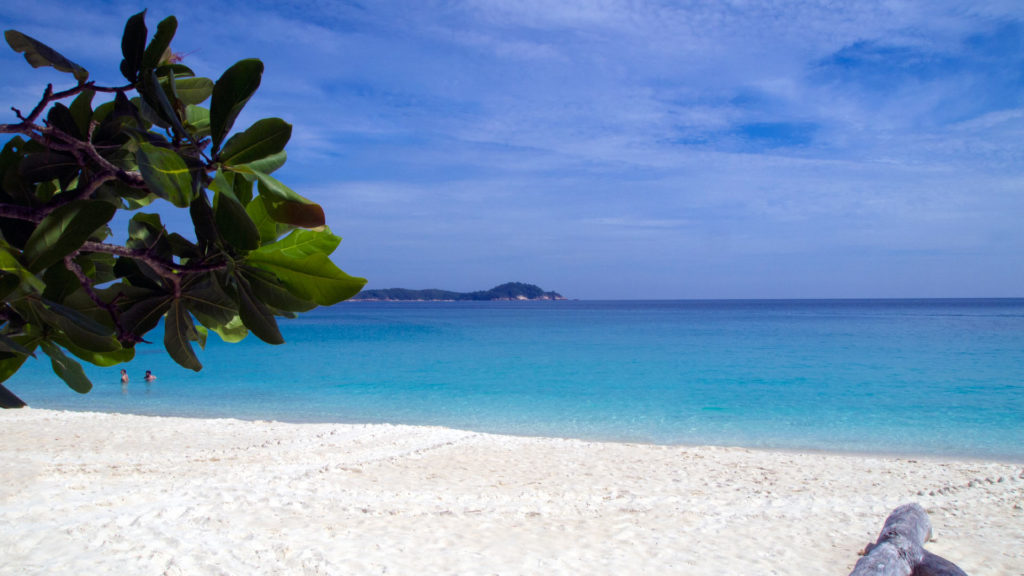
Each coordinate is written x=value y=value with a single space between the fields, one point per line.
x=163 y=267
x=111 y=308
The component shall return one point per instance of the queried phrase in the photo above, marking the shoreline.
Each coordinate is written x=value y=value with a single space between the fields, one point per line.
x=112 y=493
x=897 y=454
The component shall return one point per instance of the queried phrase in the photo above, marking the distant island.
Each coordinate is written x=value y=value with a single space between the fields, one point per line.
x=507 y=291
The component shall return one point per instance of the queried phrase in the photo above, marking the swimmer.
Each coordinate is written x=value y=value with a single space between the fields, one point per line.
x=124 y=376
x=149 y=376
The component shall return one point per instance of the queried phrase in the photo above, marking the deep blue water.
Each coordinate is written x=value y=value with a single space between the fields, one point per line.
x=939 y=377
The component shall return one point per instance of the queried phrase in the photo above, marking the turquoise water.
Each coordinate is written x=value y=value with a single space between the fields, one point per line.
x=938 y=377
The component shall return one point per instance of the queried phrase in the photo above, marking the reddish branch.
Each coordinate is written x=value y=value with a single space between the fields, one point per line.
x=111 y=307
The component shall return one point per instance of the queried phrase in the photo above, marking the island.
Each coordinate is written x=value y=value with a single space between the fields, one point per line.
x=507 y=291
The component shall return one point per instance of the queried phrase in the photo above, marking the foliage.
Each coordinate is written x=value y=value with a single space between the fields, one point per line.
x=260 y=250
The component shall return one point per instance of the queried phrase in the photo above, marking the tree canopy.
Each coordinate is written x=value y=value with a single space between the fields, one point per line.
x=257 y=250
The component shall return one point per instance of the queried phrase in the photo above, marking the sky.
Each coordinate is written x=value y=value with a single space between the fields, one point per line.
x=617 y=149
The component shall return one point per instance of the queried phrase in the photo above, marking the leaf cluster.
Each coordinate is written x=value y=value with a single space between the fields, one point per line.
x=258 y=251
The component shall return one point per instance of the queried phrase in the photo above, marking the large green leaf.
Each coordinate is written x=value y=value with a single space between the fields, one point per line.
x=38 y=55
x=9 y=282
x=264 y=138
x=232 y=220
x=48 y=165
x=198 y=119
x=69 y=371
x=64 y=230
x=179 y=333
x=142 y=315
x=159 y=47
x=11 y=363
x=230 y=94
x=208 y=302
x=192 y=91
x=269 y=164
x=165 y=173
x=9 y=263
x=302 y=243
x=9 y=345
x=267 y=226
x=83 y=331
x=232 y=332
x=104 y=359
x=60 y=118
x=271 y=292
x=255 y=315
x=313 y=277
x=282 y=203
x=81 y=110
x=160 y=101
x=133 y=43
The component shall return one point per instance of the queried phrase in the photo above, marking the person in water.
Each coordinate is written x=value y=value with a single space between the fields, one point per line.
x=124 y=376
x=149 y=376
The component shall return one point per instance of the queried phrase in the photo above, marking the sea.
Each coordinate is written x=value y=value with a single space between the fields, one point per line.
x=903 y=377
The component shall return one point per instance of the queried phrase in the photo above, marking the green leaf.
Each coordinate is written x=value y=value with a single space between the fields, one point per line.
x=203 y=222
x=38 y=55
x=158 y=49
x=264 y=138
x=9 y=263
x=142 y=315
x=269 y=290
x=255 y=315
x=198 y=119
x=83 y=331
x=313 y=277
x=64 y=230
x=104 y=359
x=267 y=226
x=210 y=304
x=146 y=232
x=179 y=332
x=233 y=222
x=69 y=371
x=230 y=94
x=45 y=166
x=60 y=117
x=10 y=346
x=179 y=70
x=282 y=203
x=192 y=91
x=269 y=164
x=302 y=243
x=159 y=101
x=8 y=283
x=81 y=110
x=12 y=363
x=165 y=173
x=133 y=43
x=232 y=332
x=60 y=283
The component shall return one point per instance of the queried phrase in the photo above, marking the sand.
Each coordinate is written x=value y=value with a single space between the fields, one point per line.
x=84 y=493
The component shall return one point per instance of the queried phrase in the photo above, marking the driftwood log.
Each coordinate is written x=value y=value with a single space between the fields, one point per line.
x=899 y=550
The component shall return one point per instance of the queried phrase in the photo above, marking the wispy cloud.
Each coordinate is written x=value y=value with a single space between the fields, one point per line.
x=778 y=147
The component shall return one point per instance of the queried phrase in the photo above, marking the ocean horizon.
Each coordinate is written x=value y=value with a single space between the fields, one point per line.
x=915 y=377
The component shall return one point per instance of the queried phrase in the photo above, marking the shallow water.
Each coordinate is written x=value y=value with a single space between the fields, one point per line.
x=939 y=377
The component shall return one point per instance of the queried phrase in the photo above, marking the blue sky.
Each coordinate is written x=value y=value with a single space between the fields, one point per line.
x=622 y=149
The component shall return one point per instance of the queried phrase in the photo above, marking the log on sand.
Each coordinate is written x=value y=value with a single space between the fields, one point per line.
x=899 y=550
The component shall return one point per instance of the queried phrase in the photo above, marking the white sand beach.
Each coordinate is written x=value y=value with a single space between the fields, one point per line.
x=85 y=493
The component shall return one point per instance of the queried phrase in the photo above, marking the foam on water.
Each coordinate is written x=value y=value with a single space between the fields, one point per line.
x=902 y=376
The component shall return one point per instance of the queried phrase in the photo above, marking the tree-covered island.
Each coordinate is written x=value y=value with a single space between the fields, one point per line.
x=507 y=291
